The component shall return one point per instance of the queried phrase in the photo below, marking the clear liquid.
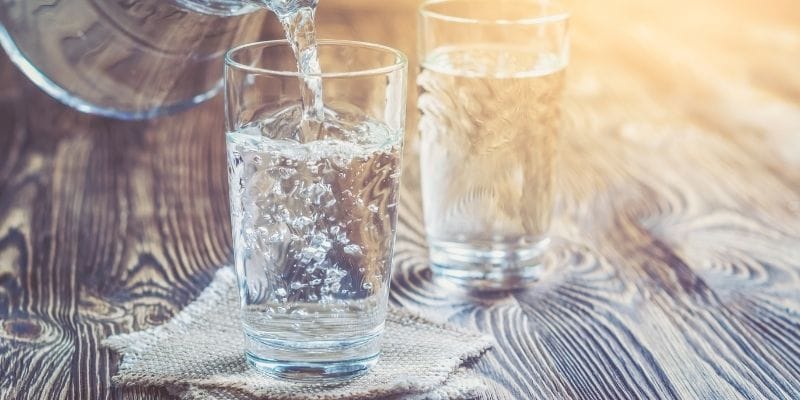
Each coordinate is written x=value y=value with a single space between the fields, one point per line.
x=314 y=224
x=489 y=127
x=297 y=18
x=314 y=209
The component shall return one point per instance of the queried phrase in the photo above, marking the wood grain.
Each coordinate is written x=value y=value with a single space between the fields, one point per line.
x=679 y=268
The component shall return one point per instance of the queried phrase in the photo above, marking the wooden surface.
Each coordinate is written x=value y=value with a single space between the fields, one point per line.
x=680 y=204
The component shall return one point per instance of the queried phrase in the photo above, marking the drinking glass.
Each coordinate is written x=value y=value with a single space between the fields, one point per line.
x=314 y=204
x=490 y=86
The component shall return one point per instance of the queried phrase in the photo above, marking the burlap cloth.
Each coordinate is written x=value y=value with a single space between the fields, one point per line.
x=198 y=355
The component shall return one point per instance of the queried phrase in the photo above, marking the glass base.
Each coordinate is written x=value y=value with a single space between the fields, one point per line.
x=495 y=266
x=312 y=372
x=315 y=362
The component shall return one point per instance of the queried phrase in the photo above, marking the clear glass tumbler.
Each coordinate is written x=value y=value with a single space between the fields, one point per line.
x=490 y=87
x=314 y=204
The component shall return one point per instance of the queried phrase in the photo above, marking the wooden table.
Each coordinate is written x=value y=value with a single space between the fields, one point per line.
x=680 y=194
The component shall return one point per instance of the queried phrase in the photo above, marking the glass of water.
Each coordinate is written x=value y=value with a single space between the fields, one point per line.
x=314 y=203
x=490 y=87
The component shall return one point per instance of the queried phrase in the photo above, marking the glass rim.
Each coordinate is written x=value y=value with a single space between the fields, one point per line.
x=400 y=59
x=424 y=10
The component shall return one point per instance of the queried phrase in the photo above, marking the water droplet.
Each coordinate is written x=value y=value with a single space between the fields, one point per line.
x=372 y=208
x=366 y=286
x=315 y=282
x=334 y=229
x=297 y=285
x=280 y=292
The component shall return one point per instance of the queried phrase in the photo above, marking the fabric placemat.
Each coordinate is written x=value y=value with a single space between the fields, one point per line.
x=199 y=355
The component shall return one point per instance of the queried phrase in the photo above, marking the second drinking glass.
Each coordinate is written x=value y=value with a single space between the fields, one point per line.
x=490 y=88
x=314 y=203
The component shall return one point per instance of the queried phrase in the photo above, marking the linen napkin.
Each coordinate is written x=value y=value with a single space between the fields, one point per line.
x=199 y=355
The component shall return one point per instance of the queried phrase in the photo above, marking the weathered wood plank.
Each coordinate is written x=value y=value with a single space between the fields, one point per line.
x=679 y=268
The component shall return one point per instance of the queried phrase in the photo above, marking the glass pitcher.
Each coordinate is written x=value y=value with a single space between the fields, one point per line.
x=127 y=59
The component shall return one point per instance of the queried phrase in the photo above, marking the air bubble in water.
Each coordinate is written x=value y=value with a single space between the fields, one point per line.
x=352 y=249
x=285 y=173
x=300 y=220
x=298 y=312
x=300 y=223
